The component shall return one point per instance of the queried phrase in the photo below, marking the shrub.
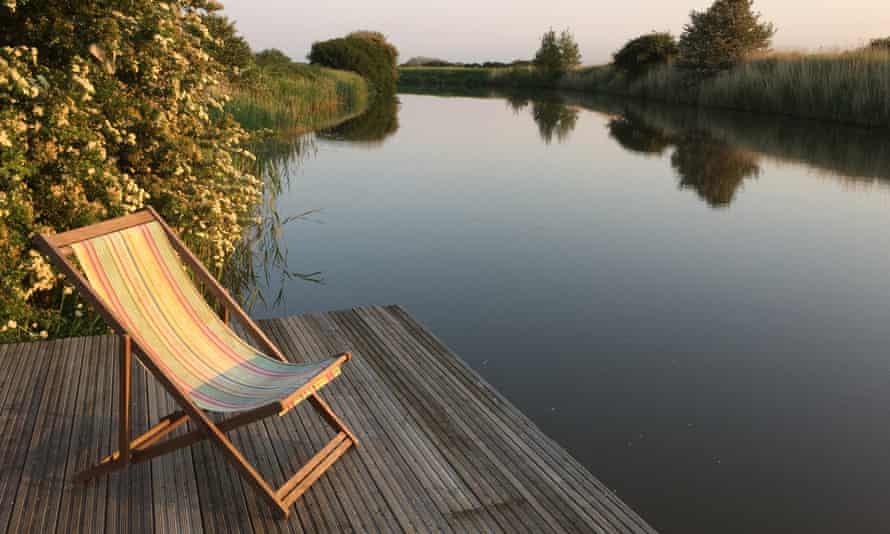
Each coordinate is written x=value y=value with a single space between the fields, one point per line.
x=644 y=52
x=721 y=36
x=366 y=53
x=272 y=57
x=880 y=44
x=421 y=61
x=102 y=111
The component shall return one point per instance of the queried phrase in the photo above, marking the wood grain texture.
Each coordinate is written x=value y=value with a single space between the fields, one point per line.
x=440 y=449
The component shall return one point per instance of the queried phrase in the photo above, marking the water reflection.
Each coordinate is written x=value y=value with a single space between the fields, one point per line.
x=554 y=118
x=712 y=151
x=634 y=134
x=371 y=128
x=550 y=112
x=712 y=168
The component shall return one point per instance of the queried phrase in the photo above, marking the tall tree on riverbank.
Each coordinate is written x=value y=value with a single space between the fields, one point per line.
x=568 y=50
x=557 y=55
x=548 y=58
x=721 y=36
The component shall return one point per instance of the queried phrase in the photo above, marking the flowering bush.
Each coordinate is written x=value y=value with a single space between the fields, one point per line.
x=103 y=110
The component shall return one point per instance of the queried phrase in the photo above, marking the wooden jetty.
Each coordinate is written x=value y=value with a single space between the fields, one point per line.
x=440 y=449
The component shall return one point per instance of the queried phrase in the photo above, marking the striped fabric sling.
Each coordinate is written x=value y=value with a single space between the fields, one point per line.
x=137 y=274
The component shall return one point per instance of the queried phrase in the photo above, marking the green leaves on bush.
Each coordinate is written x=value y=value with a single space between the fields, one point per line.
x=366 y=53
x=644 y=52
x=103 y=110
x=227 y=47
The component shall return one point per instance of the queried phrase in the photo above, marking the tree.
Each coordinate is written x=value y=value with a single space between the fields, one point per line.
x=227 y=47
x=378 y=40
x=721 y=36
x=644 y=52
x=366 y=53
x=548 y=59
x=568 y=49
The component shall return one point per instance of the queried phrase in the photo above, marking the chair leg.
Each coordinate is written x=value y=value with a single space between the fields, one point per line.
x=328 y=415
x=120 y=458
x=146 y=446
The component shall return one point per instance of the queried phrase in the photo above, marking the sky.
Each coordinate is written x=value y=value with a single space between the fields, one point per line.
x=503 y=30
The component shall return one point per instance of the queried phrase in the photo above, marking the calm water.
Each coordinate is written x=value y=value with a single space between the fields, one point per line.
x=695 y=304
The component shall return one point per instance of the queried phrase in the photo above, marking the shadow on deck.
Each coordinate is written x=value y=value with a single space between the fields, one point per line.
x=441 y=450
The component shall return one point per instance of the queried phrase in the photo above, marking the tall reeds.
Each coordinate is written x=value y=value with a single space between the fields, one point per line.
x=850 y=86
x=297 y=98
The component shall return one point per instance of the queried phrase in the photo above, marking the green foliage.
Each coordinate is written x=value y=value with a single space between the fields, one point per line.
x=557 y=55
x=548 y=58
x=293 y=98
x=227 y=47
x=102 y=111
x=272 y=57
x=851 y=87
x=722 y=35
x=644 y=52
x=422 y=61
x=366 y=53
x=569 y=52
x=443 y=77
x=378 y=40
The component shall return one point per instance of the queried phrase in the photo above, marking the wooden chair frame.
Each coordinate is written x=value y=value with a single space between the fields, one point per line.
x=150 y=445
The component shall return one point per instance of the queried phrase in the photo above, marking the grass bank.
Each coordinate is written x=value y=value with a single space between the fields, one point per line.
x=297 y=98
x=851 y=87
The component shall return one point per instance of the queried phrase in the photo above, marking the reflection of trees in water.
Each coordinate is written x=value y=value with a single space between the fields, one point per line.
x=713 y=168
x=372 y=127
x=517 y=102
x=553 y=117
x=632 y=132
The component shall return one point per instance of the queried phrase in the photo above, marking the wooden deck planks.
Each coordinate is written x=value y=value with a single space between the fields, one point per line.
x=440 y=450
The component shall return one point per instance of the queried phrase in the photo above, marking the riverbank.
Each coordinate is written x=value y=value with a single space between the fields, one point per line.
x=850 y=87
x=297 y=98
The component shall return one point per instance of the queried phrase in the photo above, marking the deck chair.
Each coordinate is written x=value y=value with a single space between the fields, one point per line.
x=131 y=271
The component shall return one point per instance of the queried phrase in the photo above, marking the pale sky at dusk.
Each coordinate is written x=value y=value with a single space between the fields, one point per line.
x=477 y=30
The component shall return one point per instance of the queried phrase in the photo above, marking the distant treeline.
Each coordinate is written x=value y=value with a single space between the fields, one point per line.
x=722 y=59
x=420 y=61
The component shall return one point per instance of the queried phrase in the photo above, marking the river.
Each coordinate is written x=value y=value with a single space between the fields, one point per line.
x=696 y=304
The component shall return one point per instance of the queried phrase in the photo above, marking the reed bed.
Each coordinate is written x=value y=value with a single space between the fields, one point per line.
x=297 y=98
x=851 y=86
